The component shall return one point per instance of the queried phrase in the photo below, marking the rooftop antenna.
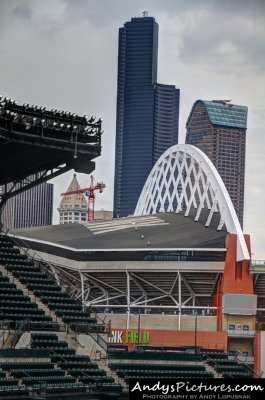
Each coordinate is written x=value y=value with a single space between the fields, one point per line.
x=145 y=14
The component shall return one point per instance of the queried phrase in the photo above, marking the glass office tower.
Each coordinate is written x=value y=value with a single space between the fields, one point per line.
x=147 y=112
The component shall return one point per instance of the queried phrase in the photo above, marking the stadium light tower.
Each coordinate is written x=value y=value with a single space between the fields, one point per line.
x=45 y=144
x=90 y=192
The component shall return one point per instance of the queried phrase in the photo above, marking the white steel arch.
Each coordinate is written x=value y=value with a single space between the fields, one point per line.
x=184 y=178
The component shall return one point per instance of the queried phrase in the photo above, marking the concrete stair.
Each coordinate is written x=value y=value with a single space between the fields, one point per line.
x=210 y=368
x=103 y=364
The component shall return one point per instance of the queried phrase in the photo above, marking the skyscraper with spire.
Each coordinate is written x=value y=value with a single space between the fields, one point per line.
x=147 y=112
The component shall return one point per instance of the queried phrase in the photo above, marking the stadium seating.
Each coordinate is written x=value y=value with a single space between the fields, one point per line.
x=43 y=286
x=153 y=363
x=154 y=355
x=15 y=306
x=63 y=388
x=14 y=391
x=7 y=366
x=8 y=382
x=229 y=368
x=77 y=366
x=16 y=377
x=146 y=370
x=150 y=365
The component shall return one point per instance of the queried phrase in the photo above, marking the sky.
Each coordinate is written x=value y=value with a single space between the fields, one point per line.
x=63 y=54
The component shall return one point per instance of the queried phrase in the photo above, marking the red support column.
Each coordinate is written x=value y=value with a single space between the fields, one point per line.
x=236 y=277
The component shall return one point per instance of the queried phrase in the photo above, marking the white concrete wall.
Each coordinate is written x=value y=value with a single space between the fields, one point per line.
x=88 y=346
x=163 y=322
x=24 y=341
x=122 y=266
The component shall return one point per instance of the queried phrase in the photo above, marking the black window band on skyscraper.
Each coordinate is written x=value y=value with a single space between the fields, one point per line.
x=147 y=112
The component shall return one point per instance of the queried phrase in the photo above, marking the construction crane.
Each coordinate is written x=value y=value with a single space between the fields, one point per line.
x=90 y=193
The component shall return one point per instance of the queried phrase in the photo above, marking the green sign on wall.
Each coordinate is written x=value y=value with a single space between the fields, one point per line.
x=129 y=337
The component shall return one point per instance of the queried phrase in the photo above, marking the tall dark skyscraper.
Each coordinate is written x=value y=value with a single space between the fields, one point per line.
x=218 y=128
x=31 y=208
x=147 y=112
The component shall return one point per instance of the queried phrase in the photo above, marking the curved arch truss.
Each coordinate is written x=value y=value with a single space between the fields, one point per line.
x=185 y=180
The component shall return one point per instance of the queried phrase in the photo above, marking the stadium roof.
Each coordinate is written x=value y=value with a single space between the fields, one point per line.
x=162 y=257
x=160 y=231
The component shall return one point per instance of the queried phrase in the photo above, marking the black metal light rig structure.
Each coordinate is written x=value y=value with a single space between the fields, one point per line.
x=38 y=144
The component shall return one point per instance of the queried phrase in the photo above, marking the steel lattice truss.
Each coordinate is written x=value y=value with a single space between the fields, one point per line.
x=128 y=289
x=184 y=179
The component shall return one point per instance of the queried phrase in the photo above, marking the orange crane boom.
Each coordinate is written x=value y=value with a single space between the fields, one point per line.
x=90 y=192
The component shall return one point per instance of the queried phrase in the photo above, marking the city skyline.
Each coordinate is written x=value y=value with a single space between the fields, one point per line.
x=211 y=50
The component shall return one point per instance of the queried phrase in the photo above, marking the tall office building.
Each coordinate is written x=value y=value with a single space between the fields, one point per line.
x=166 y=119
x=30 y=208
x=218 y=128
x=147 y=112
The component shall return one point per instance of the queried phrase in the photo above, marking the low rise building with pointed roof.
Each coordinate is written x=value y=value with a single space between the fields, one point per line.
x=73 y=207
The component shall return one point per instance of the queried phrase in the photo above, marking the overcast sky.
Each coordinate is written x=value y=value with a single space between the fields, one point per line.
x=63 y=54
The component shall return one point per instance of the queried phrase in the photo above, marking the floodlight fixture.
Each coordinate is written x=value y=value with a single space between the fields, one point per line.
x=13 y=115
